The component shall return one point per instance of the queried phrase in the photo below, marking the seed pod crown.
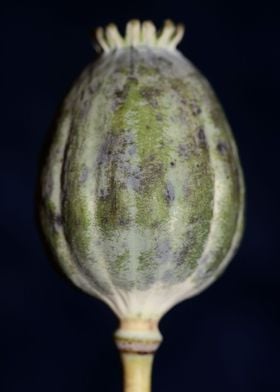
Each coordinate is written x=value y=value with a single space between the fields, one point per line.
x=138 y=34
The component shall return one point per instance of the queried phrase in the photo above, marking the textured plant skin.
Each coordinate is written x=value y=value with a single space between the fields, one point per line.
x=142 y=190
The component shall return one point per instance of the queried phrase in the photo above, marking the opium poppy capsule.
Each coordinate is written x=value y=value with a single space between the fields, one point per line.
x=142 y=191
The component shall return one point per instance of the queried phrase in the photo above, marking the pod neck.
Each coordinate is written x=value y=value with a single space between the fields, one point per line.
x=138 y=336
x=137 y=341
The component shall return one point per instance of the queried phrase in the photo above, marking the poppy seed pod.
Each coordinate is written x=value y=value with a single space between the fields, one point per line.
x=142 y=191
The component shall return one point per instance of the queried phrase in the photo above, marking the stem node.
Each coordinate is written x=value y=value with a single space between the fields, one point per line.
x=137 y=341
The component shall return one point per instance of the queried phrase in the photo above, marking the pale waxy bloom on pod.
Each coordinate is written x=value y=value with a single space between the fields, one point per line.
x=142 y=194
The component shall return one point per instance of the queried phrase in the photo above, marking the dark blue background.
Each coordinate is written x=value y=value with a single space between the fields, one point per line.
x=55 y=338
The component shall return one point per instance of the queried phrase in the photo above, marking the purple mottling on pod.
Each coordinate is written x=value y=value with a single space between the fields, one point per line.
x=142 y=190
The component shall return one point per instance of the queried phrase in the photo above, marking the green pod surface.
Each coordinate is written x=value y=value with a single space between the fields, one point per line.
x=142 y=190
